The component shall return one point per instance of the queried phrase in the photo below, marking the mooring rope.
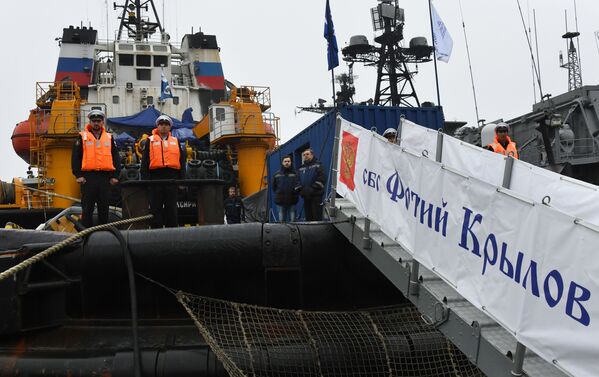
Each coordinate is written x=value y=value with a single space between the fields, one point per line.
x=69 y=241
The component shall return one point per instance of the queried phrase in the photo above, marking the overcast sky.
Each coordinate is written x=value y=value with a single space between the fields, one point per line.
x=279 y=43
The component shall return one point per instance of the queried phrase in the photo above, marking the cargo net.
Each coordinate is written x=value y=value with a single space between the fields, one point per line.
x=258 y=341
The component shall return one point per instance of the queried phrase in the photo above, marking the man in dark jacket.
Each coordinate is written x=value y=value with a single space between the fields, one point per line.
x=311 y=185
x=234 y=209
x=95 y=164
x=163 y=159
x=283 y=185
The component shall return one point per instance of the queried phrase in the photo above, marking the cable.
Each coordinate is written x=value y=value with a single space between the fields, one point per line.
x=530 y=48
x=469 y=64
x=132 y=296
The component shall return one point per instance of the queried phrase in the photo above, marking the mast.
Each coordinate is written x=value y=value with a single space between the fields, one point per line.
x=132 y=20
x=394 y=84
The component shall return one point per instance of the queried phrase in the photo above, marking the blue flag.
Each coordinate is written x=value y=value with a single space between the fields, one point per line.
x=329 y=34
x=165 y=88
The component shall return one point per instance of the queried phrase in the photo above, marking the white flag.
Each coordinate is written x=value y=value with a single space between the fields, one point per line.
x=165 y=88
x=442 y=39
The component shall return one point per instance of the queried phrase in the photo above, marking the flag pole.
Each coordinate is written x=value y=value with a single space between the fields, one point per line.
x=332 y=50
x=333 y=81
x=430 y=12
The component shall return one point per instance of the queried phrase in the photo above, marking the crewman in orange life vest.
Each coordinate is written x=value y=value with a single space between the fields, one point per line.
x=502 y=143
x=163 y=160
x=95 y=163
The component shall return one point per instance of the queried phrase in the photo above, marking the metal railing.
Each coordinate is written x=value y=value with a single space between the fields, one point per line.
x=48 y=92
x=256 y=94
x=565 y=151
x=578 y=148
x=248 y=124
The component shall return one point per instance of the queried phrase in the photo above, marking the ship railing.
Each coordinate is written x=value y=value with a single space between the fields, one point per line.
x=271 y=124
x=50 y=123
x=106 y=78
x=564 y=151
x=578 y=148
x=248 y=124
x=153 y=39
x=257 y=94
x=182 y=80
x=47 y=92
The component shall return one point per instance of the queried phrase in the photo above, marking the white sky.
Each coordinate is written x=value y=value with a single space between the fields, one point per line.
x=279 y=43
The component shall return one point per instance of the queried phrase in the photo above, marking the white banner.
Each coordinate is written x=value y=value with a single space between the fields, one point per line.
x=530 y=267
x=569 y=195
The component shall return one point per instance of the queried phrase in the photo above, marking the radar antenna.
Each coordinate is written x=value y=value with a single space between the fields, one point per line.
x=573 y=64
x=345 y=96
x=138 y=27
x=394 y=84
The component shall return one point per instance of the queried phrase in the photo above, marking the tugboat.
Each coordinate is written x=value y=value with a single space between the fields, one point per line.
x=134 y=79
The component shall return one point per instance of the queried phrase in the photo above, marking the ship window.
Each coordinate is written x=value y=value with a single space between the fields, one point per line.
x=144 y=74
x=115 y=99
x=126 y=59
x=160 y=61
x=150 y=100
x=219 y=114
x=160 y=48
x=142 y=47
x=175 y=100
x=125 y=47
x=143 y=60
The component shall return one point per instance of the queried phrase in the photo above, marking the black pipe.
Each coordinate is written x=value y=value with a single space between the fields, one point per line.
x=197 y=361
x=137 y=366
x=282 y=265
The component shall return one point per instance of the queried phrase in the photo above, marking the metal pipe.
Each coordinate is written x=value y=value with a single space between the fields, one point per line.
x=439 y=152
x=519 y=360
x=366 y=240
x=507 y=172
x=332 y=207
x=414 y=281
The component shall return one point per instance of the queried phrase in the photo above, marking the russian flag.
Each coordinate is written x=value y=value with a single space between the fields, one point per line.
x=209 y=75
x=78 y=69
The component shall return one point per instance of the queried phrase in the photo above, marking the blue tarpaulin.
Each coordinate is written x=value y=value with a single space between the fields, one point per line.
x=123 y=139
x=183 y=134
x=146 y=120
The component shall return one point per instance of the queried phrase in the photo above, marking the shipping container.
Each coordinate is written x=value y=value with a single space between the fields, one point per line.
x=320 y=137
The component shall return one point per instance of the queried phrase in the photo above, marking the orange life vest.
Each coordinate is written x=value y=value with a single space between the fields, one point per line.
x=164 y=153
x=510 y=150
x=97 y=154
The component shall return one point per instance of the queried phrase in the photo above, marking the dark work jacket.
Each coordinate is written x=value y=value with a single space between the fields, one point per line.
x=283 y=185
x=165 y=173
x=77 y=157
x=311 y=179
x=234 y=210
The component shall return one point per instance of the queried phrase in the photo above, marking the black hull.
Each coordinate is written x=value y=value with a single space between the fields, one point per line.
x=78 y=321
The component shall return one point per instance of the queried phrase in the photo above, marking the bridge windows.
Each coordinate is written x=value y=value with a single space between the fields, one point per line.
x=160 y=61
x=143 y=60
x=144 y=74
x=126 y=60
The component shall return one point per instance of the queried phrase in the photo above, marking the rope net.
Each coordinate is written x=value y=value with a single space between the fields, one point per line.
x=258 y=341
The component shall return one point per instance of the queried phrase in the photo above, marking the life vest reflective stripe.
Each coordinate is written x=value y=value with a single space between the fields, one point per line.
x=97 y=154
x=164 y=153
x=510 y=150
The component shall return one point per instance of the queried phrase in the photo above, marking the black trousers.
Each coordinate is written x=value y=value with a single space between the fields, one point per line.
x=313 y=208
x=163 y=205
x=95 y=191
